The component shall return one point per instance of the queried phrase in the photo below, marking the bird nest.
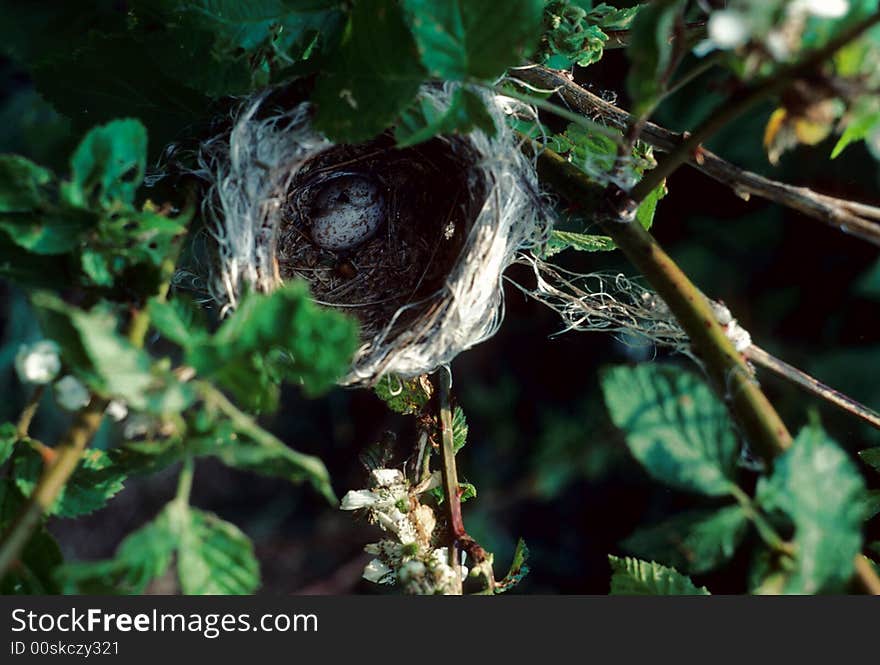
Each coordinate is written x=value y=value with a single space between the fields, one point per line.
x=410 y=241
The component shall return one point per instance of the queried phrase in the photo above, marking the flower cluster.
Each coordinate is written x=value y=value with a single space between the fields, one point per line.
x=408 y=556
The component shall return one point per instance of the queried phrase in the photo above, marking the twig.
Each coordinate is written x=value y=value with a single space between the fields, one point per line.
x=27 y=414
x=459 y=538
x=618 y=39
x=848 y=216
x=760 y=357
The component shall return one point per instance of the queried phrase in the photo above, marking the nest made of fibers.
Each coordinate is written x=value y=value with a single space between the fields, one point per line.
x=411 y=241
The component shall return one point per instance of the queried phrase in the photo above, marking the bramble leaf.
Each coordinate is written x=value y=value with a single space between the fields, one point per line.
x=458 y=39
x=143 y=556
x=818 y=487
x=282 y=336
x=518 y=568
x=674 y=426
x=693 y=542
x=108 y=165
x=213 y=556
x=371 y=78
x=633 y=577
x=95 y=481
x=405 y=396
x=8 y=438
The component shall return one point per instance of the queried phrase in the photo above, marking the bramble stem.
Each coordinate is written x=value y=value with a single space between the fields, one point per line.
x=449 y=470
x=28 y=413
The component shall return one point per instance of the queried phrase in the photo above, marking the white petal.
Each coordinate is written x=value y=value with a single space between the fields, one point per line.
x=378 y=572
x=71 y=394
x=357 y=499
x=117 y=410
x=387 y=477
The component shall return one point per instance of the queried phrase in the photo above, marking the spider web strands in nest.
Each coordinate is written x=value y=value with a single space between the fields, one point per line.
x=604 y=302
x=250 y=170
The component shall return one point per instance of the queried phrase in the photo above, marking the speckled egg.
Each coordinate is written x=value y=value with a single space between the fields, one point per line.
x=346 y=212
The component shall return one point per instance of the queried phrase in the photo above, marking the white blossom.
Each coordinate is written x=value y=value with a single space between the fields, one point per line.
x=117 y=409
x=729 y=29
x=70 y=393
x=358 y=499
x=38 y=363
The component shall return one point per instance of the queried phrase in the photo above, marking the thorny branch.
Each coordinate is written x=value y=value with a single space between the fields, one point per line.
x=460 y=540
x=857 y=219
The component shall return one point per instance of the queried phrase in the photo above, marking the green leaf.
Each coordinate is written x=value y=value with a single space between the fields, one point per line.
x=8 y=439
x=871 y=457
x=518 y=568
x=108 y=165
x=22 y=184
x=821 y=491
x=423 y=120
x=694 y=542
x=35 y=572
x=143 y=556
x=371 y=78
x=95 y=481
x=461 y=39
x=406 y=396
x=283 y=336
x=633 y=577
x=648 y=206
x=178 y=321
x=650 y=51
x=214 y=557
x=674 y=426
x=859 y=128
x=459 y=429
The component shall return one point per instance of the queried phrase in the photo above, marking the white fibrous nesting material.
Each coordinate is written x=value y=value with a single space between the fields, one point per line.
x=250 y=171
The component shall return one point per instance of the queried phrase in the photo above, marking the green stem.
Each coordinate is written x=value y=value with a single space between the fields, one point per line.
x=249 y=427
x=29 y=411
x=185 y=480
x=765 y=529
